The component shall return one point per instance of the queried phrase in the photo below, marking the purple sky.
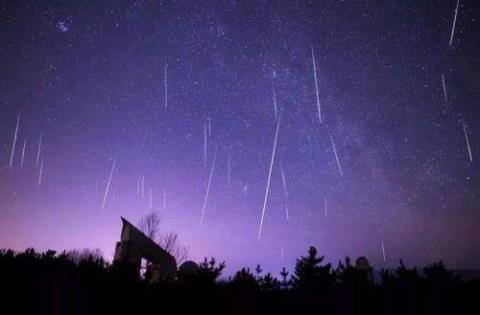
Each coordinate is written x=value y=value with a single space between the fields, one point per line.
x=89 y=77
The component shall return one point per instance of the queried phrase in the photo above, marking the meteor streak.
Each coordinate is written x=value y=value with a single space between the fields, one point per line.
x=205 y=144
x=107 y=189
x=383 y=252
x=467 y=141
x=335 y=152
x=208 y=190
x=39 y=150
x=325 y=208
x=40 y=172
x=15 y=135
x=164 y=199
x=275 y=108
x=269 y=179
x=444 y=85
x=284 y=180
x=229 y=168
x=284 y=183
x=316 y=86
x=23 y=152
x=454 y=23
x=166 y=90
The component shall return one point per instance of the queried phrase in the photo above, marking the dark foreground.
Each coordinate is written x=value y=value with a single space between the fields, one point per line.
x=66 y=283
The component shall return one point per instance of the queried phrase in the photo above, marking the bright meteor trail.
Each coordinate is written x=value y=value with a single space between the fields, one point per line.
x=319 y=110
x=269 y=179
x=208 y=189
x=14 y=141
x=107 y=189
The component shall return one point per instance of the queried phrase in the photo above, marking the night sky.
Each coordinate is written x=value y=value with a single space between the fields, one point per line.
x=133 y=89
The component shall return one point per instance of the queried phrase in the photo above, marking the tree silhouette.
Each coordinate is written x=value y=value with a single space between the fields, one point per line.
x=85 y=255
x=344 y=271
x=150 y=226
x=407 y=276
x=170 y=242
x=269 y=283
x=310 y=275
x=284 y=273
x=245 y=280
x=344 y=266
x=208 y=271
x=258 y=270
x=436 y=273
x=355 y=283
x=354 y=276
x=78 y=281
x=441 y=286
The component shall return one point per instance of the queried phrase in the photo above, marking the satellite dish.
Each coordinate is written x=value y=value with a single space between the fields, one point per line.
x=188 y=268
x=362 y=263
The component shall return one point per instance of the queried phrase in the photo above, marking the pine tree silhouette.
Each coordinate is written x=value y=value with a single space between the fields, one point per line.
x=245 y=280
x=269 y=283
x=284 y=273
x=208 y=271
x=436 y=273
x=258 y=270
x=310 y=275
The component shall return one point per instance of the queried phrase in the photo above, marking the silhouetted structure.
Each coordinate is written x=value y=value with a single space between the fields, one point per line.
x=134 y=245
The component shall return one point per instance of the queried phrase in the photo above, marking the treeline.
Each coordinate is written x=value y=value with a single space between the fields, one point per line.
x=84 y=283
